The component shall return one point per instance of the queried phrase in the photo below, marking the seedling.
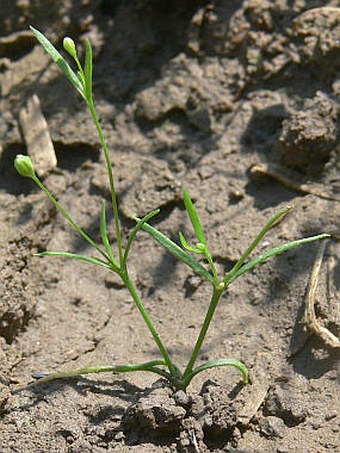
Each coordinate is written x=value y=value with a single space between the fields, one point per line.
x=115 y=257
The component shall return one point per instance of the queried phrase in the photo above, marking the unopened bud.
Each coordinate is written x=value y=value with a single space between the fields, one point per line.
x=70 y=47
x=220 y=286
x=24 y=166
x=201 y=246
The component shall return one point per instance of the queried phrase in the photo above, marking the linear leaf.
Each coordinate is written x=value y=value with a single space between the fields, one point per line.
x=193 y=215
x=216 y=363
x=88 y=70
x=178 y=252
x=185 y=244
x=44 y=378
x=273 y=252
x=273 y=221
x=138 y=227
x=59 y=59
x=89 y=259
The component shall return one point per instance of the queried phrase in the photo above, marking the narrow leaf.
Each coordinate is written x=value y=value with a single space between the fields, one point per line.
x=88 y=70
x=220 y=362
x=89 y=259
x=273 y=252
x=273 y=221
x=185 y=244
x=178 y=252
x=193 y=215
x=43 y=377
x=59 y=59
x=138 y=227
x=103 y=233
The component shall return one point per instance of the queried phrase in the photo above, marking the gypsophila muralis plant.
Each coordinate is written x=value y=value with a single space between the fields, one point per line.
x=116 y=259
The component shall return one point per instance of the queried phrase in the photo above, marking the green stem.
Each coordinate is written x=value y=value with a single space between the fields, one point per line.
x=111 y=180
x=68 y=217
x=212 y=266
x=81 y=72
x=128 y=283
x=210 y=313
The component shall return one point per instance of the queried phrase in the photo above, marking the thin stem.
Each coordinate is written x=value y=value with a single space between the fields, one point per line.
x=208 y=317
x=80 y=72
x=111 y=180
x=128 y=283
x=69 y=218
x=212 y=266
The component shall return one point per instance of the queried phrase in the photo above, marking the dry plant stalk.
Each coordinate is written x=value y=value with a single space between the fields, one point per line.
x=273 y=172
x=310 y=318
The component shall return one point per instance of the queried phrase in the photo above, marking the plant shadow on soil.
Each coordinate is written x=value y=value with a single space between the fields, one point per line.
x=261 y=138
x=157 y=33
x=119 y=388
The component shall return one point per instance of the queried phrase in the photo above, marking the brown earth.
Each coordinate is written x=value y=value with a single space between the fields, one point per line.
x=191 y=93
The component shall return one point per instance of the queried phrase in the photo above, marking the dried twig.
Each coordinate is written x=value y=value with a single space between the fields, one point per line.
x=37 y=136
x=310 y=318
x=272 y=172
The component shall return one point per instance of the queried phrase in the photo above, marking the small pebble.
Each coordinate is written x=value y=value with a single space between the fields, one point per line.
x=181 y=398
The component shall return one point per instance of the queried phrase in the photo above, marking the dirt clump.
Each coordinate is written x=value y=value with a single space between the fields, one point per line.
x=207 y=420
x=309 y=135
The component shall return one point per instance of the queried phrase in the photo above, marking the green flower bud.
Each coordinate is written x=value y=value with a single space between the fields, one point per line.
x=70 y=47
x=24 y=166
x=201 y=246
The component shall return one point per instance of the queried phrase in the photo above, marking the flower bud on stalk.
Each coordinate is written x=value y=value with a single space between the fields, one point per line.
x=24 y=166
x=201 y=247
x=70 y=47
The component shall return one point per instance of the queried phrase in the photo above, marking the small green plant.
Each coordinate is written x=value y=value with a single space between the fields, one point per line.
x=116 y=259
